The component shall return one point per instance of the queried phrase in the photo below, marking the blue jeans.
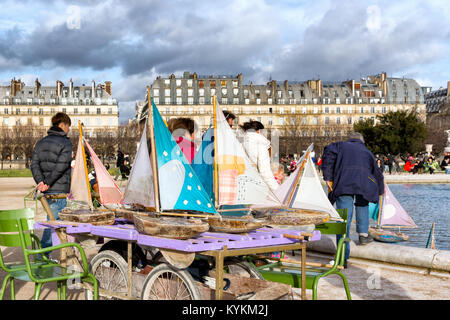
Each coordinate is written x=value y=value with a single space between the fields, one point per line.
x=56 y=205
x=362 y=216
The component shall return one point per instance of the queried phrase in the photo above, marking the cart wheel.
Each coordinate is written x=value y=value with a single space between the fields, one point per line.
x=165 y=282
x=110 y=269
x=241 y=268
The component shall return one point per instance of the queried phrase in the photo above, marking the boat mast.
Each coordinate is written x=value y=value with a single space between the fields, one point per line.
x=216 y=172
x=291 y=194
x=379 y=211
x=153 y=160
x=85 y=166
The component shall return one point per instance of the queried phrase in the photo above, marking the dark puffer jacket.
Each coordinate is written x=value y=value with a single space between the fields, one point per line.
x=51 y=159
x=352 y=169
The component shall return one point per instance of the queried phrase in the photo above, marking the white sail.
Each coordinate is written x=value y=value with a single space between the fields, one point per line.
x=287 y=187
x=140 y=189
x=79 y=185
x=239 y=180
x=310 y=193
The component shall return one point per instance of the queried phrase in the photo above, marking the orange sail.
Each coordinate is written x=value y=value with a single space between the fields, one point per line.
x=108 y=189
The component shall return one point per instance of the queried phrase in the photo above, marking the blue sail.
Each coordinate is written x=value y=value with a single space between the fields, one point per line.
x=203 y=163
x=373 y=211
x=179 y=186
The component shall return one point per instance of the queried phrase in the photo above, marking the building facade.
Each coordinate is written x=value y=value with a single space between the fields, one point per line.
x=25 y=105
x=438 y=108
x=310 y=108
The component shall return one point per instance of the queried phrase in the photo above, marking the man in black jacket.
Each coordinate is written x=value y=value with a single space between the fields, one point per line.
x=50 y=166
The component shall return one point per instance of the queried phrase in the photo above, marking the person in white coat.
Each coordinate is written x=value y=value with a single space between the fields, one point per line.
x=257 y=148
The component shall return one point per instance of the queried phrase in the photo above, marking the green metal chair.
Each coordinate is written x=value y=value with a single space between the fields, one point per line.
x=283 y=273
x=16 y=230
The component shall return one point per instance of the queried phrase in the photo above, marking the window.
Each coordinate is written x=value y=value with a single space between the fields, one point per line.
x=361 y=110
x=372 y=109
x=279 y=93
x=270 y=110
x=86 y=110
x=224 y=83
x=190 y=92
x=235 y=100
x=349 y=120
x=236 y=110
x=224 y=91
x=212 y=83
x=167 y=92
x=190 y=100
x=98 y=121
x=290 y=93
x=247 y=101
x=315 y=110
x=224 y=100
x=29 y=111
x=178 y=92
x=29 y=101
x=201 y=92
x=5 y=121
x=338 y=120
x=235 y=91
x=269 y=101
x=6 y=111
x=189 y=83
x=235 y=83
x=213 y=92
x=41 y=121
x=327 y=120
x=258 y=110
x=17 y=111
x=292 y=109
x=269 y=121
x=268 y=92
x=304 y=121
x=75 y=110
x=338 y=100
x=178 y=82
x=191 y=110
x=281 y=110
x=338 y=110
x=315 y=100
x=258 y=101
x=156 y=100
x=281 y=121
x=64 y=110
x=303 y=109
x=99 y=111
x=179 y=100
x=155 y=92
x=315 y=120
x=245 y=92
x=327 y=110
x=280 y=101
x=167 y=81
x=202 y=110
x=201 y=100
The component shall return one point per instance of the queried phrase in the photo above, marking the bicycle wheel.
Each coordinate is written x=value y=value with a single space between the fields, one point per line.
x=165 y=282
x=110 y=269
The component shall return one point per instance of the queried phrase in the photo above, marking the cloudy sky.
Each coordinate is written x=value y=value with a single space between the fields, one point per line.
x=130 y=42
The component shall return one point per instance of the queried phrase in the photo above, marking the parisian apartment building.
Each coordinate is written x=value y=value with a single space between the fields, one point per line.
x=438 y=108
x=307 y=108
x=92 y=104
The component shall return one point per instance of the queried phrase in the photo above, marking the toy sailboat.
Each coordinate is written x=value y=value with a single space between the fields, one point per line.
x=389 y=213
x=237 y=188
x=165 y=186
x=80 y=206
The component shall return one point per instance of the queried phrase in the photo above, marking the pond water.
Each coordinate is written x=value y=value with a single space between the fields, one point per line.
x=426 y=203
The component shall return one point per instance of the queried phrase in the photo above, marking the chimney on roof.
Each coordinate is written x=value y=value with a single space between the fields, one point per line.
x=274 y=87
x=37 y=86
x=108 y=87
x=286 y=85
x=194 y=75
x=59 y=86
x=239 y=76
x=448 y=89
x=93 y=89
x=70 y=88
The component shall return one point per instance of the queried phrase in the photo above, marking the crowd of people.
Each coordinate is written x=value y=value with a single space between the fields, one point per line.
x=427 y=164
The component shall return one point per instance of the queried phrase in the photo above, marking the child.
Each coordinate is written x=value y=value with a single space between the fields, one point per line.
x=278 y=171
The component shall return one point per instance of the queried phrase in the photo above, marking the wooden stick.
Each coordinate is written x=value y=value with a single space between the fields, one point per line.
x=291 y=194
x=290 y=236
x=173 y=214
x=311 y=264
x=153 y=150
x=216 y=172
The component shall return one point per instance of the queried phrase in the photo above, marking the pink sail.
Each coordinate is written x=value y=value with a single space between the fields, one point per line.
x=79 y=186
x=108 y=189
x=392 y=212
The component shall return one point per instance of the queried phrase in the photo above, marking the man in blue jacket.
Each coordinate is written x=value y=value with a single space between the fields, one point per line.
x=50 y=166
x=353 y=179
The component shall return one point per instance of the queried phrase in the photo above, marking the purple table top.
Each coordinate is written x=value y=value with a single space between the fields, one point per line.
x=203 y=242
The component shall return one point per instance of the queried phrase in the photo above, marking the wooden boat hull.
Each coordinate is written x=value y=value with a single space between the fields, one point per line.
x=129 y=214
x=96 y=218
x=168 y=227
x=387 y=236
x=234 y=224
x=296 y=217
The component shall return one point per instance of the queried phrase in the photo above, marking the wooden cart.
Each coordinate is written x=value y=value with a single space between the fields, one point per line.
x=115 y=271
